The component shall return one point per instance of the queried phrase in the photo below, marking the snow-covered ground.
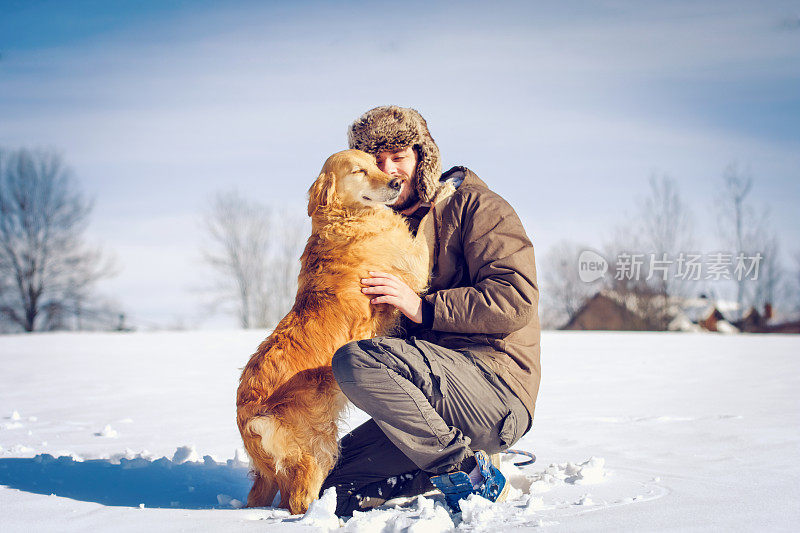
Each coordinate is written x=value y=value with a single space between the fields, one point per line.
x=633 y=431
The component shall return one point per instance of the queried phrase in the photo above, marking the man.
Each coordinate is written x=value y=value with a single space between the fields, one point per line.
x=462 y=383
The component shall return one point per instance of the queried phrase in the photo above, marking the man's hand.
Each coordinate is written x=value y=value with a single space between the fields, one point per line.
x=393 y=291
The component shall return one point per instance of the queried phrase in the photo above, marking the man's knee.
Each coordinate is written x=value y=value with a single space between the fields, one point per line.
x=357 y=361
x=348 y=359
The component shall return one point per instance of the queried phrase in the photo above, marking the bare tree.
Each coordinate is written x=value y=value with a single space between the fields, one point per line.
x=47 y=272
x=769 y=287
x=563 y=292
x=628 y=265
x=746 y=232
x=643 y=252
x=796 y=279
x=666 y=229
x=626 y=259
x=284 y=260
x=238 y=230
x=737 y=223
x=255 y=253
x=666 y=232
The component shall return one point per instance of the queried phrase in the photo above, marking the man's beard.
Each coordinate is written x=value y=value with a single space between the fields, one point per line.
x=410 y=200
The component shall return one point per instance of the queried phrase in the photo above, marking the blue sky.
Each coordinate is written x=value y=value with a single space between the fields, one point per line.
x=565 y=108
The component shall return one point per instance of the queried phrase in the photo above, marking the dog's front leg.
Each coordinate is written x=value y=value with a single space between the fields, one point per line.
x=263 y=492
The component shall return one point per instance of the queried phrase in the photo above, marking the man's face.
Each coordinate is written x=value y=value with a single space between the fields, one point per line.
x=401 y=164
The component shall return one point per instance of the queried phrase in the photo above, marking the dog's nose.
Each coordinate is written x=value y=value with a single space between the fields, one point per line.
x=396 y=183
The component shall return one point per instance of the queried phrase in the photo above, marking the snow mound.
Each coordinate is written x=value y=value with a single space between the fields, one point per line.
x=227 y=501
x=72 y=455
x=589 y=472
x=479 y=513
x=426 y=516
x=322 y=512
x=240 y=458
x=127 y=455
x=108 y=432
x=534 y=504
x=186 y=453
x=432 y=519
x=15 y=421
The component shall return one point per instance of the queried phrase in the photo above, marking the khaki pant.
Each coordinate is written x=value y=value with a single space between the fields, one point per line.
x=430 y=408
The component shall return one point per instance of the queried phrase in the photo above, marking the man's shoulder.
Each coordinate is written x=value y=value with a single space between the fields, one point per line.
x=470 y=189
x=463 y=179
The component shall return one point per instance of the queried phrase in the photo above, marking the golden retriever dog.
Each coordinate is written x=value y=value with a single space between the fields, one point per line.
x=288 y=403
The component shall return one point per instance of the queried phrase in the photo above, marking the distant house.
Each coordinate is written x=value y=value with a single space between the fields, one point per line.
x=614 y=311
x=609 y=310
x=702 y=314
x=785 y=327
x=755 y=322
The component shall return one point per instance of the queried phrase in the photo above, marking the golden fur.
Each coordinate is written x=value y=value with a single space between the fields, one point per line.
x=288 y=403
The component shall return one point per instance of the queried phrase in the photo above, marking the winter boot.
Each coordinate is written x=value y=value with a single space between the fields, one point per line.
x=456 y=486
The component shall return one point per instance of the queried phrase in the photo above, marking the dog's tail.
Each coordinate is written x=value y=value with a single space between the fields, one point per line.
x=298 y=420
x=284 y=443
x=271 y=438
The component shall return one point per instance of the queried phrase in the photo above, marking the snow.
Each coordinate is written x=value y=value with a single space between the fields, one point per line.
x=108 y=432
x=184 y=454
x=422 y=516
x=322 y=512
x=633 y=431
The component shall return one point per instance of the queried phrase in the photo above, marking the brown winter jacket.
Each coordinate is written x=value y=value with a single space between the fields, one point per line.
x=483 y=285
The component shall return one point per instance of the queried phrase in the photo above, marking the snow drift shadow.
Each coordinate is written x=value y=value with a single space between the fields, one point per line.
x=131 y=482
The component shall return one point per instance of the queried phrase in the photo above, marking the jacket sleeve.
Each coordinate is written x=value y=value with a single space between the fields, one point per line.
x=502 y=270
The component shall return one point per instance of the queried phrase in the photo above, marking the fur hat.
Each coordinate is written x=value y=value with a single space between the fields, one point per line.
x=395 y=128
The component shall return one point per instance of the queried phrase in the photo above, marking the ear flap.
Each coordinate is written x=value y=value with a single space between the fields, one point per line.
x=322 y=193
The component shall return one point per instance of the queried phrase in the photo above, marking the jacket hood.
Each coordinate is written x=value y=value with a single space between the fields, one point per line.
x=395 y=128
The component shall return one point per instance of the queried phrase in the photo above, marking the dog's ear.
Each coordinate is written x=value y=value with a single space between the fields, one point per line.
x=322 y=193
